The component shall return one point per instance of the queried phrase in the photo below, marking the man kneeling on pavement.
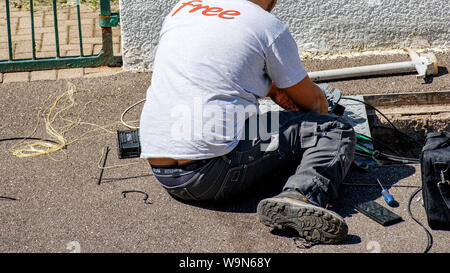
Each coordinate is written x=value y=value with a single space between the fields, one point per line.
x=203 y=134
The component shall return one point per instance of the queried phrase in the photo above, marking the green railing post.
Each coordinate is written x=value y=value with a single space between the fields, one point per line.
x=8 y=26
x=80 y=34
x=107 y=43
x=33 y=40
x=55 y=25
x=105 y=57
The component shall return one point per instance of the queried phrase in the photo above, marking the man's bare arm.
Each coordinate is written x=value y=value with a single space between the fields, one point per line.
x=281 y=98
x=308 y=95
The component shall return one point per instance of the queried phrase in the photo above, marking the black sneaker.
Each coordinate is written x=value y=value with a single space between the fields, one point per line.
x=313 y=223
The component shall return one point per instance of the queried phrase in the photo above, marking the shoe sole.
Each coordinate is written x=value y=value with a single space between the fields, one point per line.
x=315 y=224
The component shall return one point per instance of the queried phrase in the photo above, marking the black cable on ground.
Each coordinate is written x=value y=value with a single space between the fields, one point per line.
x=399 y=159
x=27 y=138
x=104 y=164
x=124 y=193
x=411 y=151
x=384 y=116
x=429 y=236
x=104 y=180
x=387 y=157
x=8 y=198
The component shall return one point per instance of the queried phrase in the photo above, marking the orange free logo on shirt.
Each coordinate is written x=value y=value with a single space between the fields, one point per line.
x=209 y=11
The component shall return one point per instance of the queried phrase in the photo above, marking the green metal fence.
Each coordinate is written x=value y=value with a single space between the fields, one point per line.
x=107 y=20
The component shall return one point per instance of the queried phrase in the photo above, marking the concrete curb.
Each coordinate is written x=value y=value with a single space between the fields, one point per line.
x=58 y=74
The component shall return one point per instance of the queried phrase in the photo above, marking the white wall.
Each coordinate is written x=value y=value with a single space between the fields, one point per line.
x=317 y=25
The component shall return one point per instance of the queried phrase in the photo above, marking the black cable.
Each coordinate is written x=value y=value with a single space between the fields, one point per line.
x=400 y=132
x=8 y=198
x=104 y=164
x=27 y=138
x=373 y=107
x=393 y=126
x=387 y=157
x=381 y=143
x=104 y=180
x=405 y=160
x=401 y=158
x=124 y=193
x=411 y=151
x=429 y=236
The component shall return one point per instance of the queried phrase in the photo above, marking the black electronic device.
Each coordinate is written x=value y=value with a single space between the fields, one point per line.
x=378 y=213
x=333 y=96
x=128 y=144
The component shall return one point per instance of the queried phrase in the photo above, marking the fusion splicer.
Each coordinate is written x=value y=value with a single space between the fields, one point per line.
x=333 y=96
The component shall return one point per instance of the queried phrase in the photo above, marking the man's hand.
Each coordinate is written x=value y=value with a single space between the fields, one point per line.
x=308 y=95
x=281 y=98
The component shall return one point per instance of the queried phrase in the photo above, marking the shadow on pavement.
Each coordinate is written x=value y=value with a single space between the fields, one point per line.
x=356 y=189
x=293 y=234
x=441 y=72
x=247 y=202
x=360 y=187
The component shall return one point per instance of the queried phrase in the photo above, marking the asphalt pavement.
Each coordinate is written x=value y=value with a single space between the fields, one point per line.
x=60 y=207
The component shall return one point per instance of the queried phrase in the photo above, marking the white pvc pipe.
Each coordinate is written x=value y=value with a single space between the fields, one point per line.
x=361 y=71
x=425 y=64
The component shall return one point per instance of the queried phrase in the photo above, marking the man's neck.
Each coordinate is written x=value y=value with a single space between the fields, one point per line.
x=264 y=4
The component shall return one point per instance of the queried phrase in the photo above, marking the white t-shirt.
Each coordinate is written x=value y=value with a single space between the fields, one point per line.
x=215 y=58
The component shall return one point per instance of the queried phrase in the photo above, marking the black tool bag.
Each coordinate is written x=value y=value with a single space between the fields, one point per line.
x=435 y=163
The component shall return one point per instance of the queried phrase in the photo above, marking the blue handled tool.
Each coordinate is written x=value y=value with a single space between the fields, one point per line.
x=387 y=196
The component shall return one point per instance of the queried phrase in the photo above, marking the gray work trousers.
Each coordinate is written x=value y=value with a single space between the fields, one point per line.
x=325 y=144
